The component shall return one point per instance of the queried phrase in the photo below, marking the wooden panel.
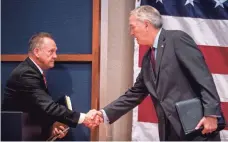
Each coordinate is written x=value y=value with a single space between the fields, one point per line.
x=95 y=63
x=74 y=57
x=61 y=57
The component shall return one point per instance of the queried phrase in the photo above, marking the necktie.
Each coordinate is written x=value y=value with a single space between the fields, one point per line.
x=45 y=81
x=153 y=57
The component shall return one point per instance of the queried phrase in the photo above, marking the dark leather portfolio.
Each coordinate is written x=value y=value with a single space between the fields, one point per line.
x=191 y=112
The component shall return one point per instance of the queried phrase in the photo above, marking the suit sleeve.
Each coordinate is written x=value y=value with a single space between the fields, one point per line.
x=31 y=88
x=191 y=58
x=128 y=101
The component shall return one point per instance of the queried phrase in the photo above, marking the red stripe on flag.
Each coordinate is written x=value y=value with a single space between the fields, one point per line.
x=146 y=111
x=216 y=58
x=224 y=106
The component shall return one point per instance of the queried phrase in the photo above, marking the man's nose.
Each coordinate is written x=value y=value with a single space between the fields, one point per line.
x=132 y=33
x=55 y=55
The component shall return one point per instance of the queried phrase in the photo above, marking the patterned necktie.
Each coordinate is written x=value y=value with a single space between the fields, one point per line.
x=153 y=57
x=45 y=81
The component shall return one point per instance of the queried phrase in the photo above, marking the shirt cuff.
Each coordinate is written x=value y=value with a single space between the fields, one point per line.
x=81 y=118
x=214 y=116
x=106 y=120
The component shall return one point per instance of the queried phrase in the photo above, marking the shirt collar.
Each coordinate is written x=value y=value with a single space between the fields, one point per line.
x=41 y=71
x=156 y=39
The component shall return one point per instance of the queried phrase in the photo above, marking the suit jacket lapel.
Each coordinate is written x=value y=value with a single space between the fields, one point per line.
x=160 y=50
x=149 y=74
x=30 y=63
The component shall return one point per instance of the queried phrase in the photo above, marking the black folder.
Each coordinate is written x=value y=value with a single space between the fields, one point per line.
x=191 y=112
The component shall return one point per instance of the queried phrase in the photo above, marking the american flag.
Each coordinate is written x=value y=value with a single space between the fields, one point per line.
x=207 y=23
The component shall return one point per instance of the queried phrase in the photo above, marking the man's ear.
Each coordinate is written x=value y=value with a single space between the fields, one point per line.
x=36 y=52
x=146 y=23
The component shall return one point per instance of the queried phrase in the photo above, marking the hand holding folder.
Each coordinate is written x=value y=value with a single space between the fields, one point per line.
x=191 y=112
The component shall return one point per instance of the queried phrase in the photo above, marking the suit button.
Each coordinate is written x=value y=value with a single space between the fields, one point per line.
x=169 y=114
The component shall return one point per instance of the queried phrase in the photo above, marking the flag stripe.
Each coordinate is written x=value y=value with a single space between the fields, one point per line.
x=147 y=116
x=221 y=83
x=203 y=31
x=216 y=58
x=150 y=116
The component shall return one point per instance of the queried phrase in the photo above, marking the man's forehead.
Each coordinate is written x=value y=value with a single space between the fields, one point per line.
x=48 y=40
x=48 y=43
x=132 y=19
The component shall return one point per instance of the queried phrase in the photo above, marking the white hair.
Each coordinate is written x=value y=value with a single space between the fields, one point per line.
x=148 y=13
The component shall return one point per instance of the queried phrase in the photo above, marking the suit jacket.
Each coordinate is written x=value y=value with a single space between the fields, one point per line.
x=181 y=73
x=26 y=91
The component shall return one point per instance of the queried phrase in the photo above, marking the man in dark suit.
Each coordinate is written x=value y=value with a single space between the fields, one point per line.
x=173 y=70
x=27 y=91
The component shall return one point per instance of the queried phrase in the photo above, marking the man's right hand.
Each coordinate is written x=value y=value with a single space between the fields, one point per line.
x=58 y=128
x=93 y=119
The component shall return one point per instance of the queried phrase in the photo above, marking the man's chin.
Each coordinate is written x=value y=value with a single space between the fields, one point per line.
x=51 y=66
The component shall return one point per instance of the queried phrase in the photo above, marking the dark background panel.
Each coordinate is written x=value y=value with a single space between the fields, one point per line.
x=72 y=79
x=69 y=21
x=6 y=69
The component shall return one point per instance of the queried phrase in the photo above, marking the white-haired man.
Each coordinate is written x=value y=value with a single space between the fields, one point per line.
x=173 y=70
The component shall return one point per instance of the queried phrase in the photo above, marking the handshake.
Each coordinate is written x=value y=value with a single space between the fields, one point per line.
x=93 y=118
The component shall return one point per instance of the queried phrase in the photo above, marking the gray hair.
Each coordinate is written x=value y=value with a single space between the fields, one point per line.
x=148 y=13
x=37 y=39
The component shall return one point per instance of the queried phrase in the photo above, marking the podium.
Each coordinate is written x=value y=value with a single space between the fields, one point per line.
x=16 y=126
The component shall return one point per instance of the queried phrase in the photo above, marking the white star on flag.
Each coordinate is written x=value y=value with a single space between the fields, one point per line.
x=189 y=2
x=219 y=3
x=158 y=1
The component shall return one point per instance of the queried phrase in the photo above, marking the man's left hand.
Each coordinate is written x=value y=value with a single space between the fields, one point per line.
x=209 y=124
